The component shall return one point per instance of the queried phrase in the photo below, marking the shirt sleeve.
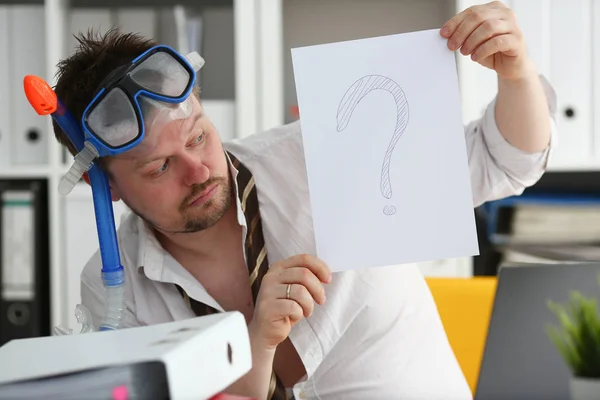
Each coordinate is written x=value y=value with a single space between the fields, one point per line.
x=497 y=168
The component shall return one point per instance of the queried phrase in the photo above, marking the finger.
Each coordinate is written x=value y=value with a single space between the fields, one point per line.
x=474 y=16
x=284 y=308
x=300 y=295
x=453 y=23
x=450 y=26
x=501 y=43
x=488 y=29
x=314 y=264
x=306 y=278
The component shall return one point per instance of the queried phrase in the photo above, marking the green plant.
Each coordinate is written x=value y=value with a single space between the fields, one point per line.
x=578 y=336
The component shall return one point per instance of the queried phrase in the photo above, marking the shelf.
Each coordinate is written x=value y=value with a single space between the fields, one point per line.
x=150 y=3
x=21 y=2
x=575 y=167
x=20 y=172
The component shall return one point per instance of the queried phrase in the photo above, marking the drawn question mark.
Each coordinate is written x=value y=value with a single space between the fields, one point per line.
x=353 y=96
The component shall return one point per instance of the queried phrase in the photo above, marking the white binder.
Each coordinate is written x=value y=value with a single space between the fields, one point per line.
x=534 y=19
x=29 y=132
x=478 y=85
x=596 y=77
x=571 y=76
x=168 y=28
x=137 y=20
x=201 y=356
x=18 y=246
x=5 y=106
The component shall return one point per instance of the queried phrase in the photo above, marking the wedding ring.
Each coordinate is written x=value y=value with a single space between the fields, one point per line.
x=288 y=290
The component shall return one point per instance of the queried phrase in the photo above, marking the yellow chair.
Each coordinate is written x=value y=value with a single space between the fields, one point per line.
x=465 y=306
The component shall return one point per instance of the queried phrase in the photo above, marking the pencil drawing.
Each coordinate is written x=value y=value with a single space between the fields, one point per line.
x=389 y=210
x=350 y=100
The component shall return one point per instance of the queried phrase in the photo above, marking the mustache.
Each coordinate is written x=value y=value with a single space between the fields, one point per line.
x=199 y=188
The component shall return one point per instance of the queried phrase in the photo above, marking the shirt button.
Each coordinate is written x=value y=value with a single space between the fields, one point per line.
x=302 y=394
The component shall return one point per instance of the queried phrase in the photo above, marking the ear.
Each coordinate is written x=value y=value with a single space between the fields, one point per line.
x=114 y=192
x=86 y=178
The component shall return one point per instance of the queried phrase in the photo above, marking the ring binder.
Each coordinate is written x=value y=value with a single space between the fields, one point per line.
x=24 y=255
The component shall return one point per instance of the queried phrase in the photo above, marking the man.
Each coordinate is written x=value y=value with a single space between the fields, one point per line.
x=205 y=219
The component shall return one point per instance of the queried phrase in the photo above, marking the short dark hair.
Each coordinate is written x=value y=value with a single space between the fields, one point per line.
x=79 y=76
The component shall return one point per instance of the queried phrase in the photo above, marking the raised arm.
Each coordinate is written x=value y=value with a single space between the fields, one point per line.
x=509 y=146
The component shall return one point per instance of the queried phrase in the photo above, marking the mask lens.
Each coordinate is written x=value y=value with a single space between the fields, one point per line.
x=162 y=74
x=114 y=119
x=157 y=114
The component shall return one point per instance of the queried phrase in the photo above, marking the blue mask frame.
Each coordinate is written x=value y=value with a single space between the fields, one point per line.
x=120 y=78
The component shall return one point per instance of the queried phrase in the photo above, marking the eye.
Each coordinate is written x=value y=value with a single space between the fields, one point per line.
x=162 y=169
x=198 y=139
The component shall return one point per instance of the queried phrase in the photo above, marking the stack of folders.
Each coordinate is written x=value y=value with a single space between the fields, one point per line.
x=191 y=359
x=553 y=223
x=554 y=229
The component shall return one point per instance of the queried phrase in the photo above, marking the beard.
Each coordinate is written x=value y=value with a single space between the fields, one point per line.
x=211 y=211
x=196 y=218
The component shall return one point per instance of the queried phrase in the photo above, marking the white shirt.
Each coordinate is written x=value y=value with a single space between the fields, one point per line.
x=379 y=335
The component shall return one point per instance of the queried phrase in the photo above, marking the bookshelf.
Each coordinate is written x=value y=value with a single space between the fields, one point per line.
x=249 y=81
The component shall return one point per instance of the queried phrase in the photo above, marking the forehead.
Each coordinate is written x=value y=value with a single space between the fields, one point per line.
x=157 y=115
x=162 y=125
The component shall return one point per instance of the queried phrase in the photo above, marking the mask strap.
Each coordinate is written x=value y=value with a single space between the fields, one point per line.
x=195 y=60
x=82 y=163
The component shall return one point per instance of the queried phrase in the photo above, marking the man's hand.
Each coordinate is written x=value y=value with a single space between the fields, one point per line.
x=275 y=313
x=277 y=309
x=490 y=34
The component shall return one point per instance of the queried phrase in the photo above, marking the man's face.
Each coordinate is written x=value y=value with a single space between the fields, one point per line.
x=178 y=181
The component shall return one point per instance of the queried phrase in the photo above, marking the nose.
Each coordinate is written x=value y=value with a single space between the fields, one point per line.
x=194 y=170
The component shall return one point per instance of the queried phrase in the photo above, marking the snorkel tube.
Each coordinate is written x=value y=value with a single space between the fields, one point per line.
x=45 y=102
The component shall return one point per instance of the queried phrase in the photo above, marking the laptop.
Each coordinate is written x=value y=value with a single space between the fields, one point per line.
x=519 y=360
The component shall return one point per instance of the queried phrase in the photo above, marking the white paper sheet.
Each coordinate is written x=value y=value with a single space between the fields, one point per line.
x=388 y=172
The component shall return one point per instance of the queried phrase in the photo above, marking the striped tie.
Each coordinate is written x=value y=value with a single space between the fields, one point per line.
x=256 y=255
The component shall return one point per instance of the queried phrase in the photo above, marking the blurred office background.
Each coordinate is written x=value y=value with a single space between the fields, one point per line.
x=248 y=86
